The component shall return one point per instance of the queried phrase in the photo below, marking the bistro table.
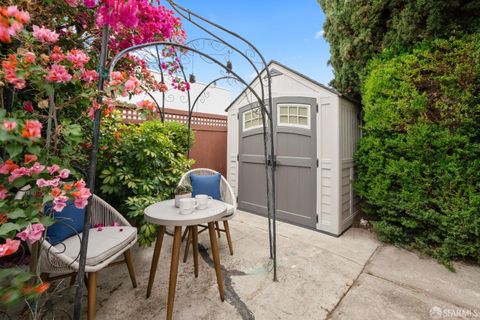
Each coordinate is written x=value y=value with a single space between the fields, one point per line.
x=165 y=214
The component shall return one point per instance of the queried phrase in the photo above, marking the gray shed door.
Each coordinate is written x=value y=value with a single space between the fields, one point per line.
x=296 y=174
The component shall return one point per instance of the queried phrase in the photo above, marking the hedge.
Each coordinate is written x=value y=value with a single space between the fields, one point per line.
x=418 y=162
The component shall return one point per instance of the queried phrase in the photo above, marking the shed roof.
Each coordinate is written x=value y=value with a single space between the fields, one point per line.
x=275 y=72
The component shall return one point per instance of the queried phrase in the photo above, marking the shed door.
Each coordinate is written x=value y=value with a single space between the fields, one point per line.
x=295 y=141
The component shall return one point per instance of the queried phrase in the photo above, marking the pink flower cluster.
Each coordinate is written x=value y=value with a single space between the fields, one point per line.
x=9 y=67
x=58 y=73
x=147 y=105
x=32 y=233
x=10 y=247
x=124 y=84
x=78 y=58
x=31 y=128
x=60 y=192
x=45 y=35
x=12 y=21
x=119 y=14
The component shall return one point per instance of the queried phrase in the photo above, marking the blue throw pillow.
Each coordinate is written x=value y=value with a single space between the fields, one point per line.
x=68 y=222
x=209 y=185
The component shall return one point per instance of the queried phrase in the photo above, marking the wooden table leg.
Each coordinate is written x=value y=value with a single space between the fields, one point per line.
x=156 y=255
x=229 y=237
x=216 y=258
x=187 y=245
x=177 y=239
x=194 y=231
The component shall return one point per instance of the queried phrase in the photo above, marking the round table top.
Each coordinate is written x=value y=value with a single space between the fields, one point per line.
x=165 y=213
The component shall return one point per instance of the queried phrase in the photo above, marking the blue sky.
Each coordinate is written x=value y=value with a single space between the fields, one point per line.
x=287 y=31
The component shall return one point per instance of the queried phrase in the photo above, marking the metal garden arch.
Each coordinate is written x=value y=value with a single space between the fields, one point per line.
x=263 y=98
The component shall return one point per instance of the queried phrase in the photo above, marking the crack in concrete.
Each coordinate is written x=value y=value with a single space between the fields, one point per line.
x=231 y=296
x=330 y=313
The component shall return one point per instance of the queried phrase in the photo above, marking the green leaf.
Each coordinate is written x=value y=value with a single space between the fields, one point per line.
x=17 y=213
x=47 y=221
x=7 y=228
x=34 y=149
x=14 y=150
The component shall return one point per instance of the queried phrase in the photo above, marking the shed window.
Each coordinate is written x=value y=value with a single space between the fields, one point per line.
x=252 y=119
x=295 y=115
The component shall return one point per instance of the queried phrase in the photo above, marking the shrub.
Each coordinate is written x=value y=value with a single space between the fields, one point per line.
x=142 y=165
x=418 y=161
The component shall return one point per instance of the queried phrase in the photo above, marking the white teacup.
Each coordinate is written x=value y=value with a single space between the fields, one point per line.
x=202 y=200
x=187 y=205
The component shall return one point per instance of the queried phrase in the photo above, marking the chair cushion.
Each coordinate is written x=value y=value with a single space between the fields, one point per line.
x=209 y=185
x=102 y=243
x=68 y=223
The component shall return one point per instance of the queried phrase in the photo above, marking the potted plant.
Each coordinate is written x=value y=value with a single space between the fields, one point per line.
x=182 y=192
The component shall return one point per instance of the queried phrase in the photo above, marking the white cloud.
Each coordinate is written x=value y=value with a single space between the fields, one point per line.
x=319 y=34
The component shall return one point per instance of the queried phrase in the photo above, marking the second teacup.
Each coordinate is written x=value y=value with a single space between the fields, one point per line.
x=202 y=200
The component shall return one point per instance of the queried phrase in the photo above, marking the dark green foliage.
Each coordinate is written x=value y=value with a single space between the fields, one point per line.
x=418 y=162
x=358 y=30
x=142 y=165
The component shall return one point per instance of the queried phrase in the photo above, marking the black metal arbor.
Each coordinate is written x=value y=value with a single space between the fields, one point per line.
x=262 y=94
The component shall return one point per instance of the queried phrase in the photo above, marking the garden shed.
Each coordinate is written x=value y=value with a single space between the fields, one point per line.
x=316 y=132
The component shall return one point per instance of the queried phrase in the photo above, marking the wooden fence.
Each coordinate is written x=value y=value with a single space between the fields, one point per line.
x=210 y=147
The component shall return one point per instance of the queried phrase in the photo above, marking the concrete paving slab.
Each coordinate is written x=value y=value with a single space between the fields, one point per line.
x=318 y=276
x=401 y=266
x=373 y=298
x=355 y=244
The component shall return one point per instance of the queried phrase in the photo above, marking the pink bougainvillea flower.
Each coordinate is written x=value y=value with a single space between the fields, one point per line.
x=10 y=247
x=90 y=3
x=28 y=106
x=45 y=35
x=52 y=169
x=42 y=183
x=28 y=158
x=78 y=58
x=32 y=233
x=118 y=14
x=11 y=22
x=146 y=104
x=80 y=184
x=81 y=197
x=57 y=54
x=32 y=129
x=64 y=174
x=131 y=84
x=22 y=16
x=15 y=28
x=30 y=57
x=72 y=3
x=37 y=168
x=89 y=76
x=9 y=125
x=9 y=67
x=3 y=192
x=8 y=167
x=60 y=202
x=56 y=192
x=58 y=73
x=17 y=173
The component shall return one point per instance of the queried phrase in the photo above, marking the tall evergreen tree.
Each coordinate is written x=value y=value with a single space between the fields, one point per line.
x=357 y=30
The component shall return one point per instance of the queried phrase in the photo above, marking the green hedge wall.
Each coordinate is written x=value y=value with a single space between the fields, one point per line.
x=418 y=162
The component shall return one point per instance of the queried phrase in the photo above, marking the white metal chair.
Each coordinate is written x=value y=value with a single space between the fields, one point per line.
x=105 y=245
x=227 y=196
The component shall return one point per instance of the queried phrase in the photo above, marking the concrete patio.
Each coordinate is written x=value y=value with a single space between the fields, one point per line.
x=320 y=277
